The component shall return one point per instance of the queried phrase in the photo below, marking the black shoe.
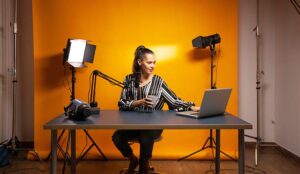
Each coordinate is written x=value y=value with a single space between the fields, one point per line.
x=132 y=165
x=144 y=167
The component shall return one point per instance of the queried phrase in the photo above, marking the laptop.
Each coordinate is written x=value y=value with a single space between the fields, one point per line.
x=214 y=103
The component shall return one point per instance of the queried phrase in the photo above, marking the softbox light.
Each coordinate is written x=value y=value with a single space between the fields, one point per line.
x=77 y=52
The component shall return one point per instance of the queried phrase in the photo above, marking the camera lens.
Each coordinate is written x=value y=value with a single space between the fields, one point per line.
x=83 y=111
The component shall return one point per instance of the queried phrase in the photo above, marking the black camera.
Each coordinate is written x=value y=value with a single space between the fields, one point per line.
x=204 y=41
x=78 y=110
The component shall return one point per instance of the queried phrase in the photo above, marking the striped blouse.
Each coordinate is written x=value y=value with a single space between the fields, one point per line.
x=156 y=87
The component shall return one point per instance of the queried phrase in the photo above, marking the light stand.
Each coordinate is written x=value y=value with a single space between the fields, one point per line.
x=259 y=72
x=210 y=142
x=75 y=54
x=258 y=92
x=13 y=142
x=14 y=139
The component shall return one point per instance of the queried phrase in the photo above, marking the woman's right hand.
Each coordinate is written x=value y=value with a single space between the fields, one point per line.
x=147 y=102
x=195 y=108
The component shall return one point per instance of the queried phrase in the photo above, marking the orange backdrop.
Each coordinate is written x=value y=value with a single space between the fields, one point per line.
x=117 y=28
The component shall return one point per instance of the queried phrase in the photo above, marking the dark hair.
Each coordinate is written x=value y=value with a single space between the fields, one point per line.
x=136 y=69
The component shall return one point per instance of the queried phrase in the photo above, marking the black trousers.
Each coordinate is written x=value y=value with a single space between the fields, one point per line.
x=145 y=137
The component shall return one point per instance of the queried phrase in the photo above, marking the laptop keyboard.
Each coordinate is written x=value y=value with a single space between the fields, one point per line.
x=195 y=113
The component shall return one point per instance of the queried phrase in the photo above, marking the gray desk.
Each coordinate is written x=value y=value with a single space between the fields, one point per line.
x=112 y=119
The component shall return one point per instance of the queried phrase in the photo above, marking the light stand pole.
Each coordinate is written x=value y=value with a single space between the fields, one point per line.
x=258 y=86
x=258 y=99
x=212 y=54
x=14 y=80
x=210 y=142
x=259 y=72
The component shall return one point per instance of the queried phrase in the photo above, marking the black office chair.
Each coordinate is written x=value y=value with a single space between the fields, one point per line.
x=137 y=171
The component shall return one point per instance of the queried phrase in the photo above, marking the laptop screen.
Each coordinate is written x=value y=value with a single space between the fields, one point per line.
x=214 y=101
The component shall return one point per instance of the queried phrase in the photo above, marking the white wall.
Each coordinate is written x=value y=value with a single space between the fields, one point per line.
x=267 y=55
x=25 y=104
x=24 y=85
x=287 y=82
x=248 y=66
x=1 y=71
x=6 y=57
x=280 y=59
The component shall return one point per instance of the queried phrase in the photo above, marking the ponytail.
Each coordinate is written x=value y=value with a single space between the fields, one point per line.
x=136 y=69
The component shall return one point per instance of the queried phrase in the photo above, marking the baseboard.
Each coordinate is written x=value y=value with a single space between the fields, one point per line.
x=272 y=144
x=30 y=144
x=250 y=144
x=289 y=154
x=27 y=144
x=19 y=144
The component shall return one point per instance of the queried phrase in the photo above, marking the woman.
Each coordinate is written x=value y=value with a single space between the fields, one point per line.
x=135 y=97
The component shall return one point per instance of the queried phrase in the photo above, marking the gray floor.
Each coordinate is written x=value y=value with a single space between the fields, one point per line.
x=273 y=160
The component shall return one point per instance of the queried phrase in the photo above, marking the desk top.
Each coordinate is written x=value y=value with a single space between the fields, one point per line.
x=114 y=119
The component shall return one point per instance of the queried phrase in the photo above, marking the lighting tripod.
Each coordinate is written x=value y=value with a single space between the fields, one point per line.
x=13 y=142
x=210 y=142
x=258 y=92
x=259 y=72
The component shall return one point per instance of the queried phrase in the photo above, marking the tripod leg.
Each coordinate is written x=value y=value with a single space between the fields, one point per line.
x=203 y=147
x=224 y=152
x=257 y=146
x=228 y=155
x=191 y=154
x=63 y=153
x=36 y=154
x=82 y=156
x=256 y=153
x=94 y=143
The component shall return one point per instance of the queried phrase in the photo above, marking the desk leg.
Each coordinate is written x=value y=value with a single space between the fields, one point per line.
x=73 y=151
x=241 y=152
x=217 y=151
x=53 y=151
